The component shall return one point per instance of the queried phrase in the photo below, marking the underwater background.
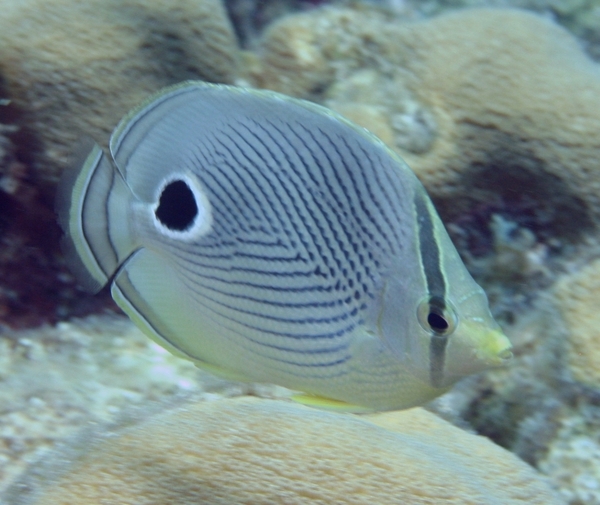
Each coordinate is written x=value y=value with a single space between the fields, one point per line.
x=496 y=107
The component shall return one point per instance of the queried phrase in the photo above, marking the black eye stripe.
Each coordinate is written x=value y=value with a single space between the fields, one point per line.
x=438 y=322
x=437 y=353
x=436 y=286
x=438 y=318
x=429 y=248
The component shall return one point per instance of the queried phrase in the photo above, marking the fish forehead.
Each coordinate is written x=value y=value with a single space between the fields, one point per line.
x=308 y=212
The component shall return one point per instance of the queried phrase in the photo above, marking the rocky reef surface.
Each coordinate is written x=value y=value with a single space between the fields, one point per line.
x=496 y=109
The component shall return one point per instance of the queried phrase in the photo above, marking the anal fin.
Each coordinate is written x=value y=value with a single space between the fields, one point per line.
x=323 y=403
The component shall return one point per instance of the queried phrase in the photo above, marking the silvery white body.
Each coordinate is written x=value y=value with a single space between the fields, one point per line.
x=271 y=240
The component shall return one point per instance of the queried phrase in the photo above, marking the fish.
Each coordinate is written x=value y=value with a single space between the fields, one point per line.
x=268 y=239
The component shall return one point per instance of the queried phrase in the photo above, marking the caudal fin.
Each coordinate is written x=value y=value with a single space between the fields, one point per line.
x=92 y=204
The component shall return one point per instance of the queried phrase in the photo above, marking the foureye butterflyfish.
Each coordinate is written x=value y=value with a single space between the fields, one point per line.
x=268 y=239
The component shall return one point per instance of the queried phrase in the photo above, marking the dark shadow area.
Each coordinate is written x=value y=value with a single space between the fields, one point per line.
x=510 y=181
x=166 y=46
x=35 y=284
x=514 y=221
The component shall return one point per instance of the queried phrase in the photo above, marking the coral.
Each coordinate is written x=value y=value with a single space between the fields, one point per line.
x=493 y=107
x=400 y=121
x=53 y=380
x=248 y=450
x=495 y=81
x=304 y=54
x=576 y=298
x=519 y=407
x=71 y=69
x=580 y=17
x=534 y=408
x=74 y=68
x=573 y=461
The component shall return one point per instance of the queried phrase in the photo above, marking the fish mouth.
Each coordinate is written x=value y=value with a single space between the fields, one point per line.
x=498 y=349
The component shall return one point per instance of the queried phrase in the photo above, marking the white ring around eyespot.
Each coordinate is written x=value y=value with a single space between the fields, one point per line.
x=202 y=222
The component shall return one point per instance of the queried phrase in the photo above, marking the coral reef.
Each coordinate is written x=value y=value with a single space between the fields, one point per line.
x=507 y=129
x=115 y=54
x=535 y=408
x=249 y=450
x=54 y=380
x=576 y=300
x=70 y=69
x=573 y=460
x=496 y=112
x=304 y=54
x=581 y=17
x=474 y=101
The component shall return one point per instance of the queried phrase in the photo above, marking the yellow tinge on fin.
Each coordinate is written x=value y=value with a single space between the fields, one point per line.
x=323 y=403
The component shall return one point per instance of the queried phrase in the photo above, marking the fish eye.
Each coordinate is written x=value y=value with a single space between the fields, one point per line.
x=182 y=210
x=437 y=322
x=436 y=316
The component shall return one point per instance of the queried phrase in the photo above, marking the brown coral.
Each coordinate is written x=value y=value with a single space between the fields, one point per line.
x=576 y=298
x=75 y=68
x=72 y=69
x=263 y=452
x=491 y=106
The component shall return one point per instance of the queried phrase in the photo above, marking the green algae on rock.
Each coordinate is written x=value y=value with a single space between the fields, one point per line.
x=248 y=450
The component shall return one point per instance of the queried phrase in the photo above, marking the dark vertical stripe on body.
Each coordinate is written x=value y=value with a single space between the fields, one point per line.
x=436 y=283
x=111 y=242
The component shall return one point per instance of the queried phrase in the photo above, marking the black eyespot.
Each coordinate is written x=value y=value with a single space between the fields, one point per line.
x=177 y=207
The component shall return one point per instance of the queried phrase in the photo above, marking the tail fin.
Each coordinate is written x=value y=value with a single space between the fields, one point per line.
x=92 y=204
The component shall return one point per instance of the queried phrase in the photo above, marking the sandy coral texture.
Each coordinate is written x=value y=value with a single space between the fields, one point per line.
x=577 y=302
x=248 y=450
x=54 y=380
x=74 y=68
x=486 y=105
